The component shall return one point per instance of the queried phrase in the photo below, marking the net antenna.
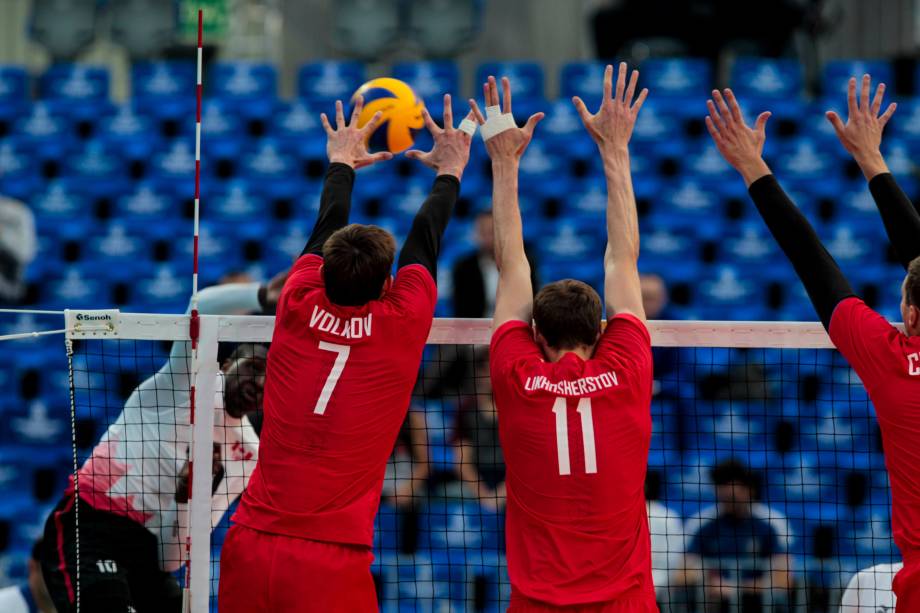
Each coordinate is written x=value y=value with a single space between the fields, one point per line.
x=194 y=322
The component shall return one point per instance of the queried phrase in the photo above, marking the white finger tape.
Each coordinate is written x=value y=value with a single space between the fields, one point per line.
x=493 y=111
x=469 y=126
x=496 y=125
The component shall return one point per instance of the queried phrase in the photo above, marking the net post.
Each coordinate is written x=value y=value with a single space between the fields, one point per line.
x=205 y=371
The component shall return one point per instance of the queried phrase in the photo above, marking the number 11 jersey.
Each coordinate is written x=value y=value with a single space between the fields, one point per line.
x=337 y=389
x=576 y=437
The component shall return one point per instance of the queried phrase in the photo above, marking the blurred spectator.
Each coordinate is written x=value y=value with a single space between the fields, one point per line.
x=689 y=27
x=17 y=248
x=737 y=550
x=655 y=300
x=30 y=597
x=406 y=477
x=480 y=461
x=668 y=541
x=236 y=276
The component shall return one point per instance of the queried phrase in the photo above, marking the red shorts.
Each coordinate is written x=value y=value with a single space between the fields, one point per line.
x=522 y=604
x=269 y=572
x=906 y=587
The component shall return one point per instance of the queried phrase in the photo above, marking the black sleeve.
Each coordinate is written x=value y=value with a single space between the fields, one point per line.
x=822 y=278
x=423 y=244
x=902 y=221
x=334 y=207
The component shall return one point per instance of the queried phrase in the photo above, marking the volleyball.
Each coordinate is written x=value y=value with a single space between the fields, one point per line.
x=401 y=113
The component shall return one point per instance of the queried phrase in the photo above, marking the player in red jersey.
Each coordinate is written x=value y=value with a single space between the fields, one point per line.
x=345 y=354
x=573 y=402
x=886 y=359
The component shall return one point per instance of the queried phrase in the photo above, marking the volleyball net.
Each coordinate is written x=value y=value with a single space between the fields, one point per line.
x=766 y=480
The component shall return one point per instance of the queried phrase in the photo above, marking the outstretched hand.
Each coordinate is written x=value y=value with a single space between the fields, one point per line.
x=347 y=143
x=612 y=126
x=861 y=135
x=451 y=150
x=741 y=146
x=510 y=144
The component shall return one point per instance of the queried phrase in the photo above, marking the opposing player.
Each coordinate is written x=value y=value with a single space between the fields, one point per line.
x=886 y=359
x=573 y=402
x=869 y=591
x=345 y=354
x=131 y=534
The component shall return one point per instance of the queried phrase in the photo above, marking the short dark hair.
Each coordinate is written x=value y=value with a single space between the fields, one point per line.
x=567 y=314
x=357 y=260
x=912 y=283
x=732 y=471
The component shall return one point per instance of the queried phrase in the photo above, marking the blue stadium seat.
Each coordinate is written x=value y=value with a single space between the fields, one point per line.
x=173 y=170
x=121 y=241
x=237 y=201
x=752 y=246
x=527 y=79
x=167 y=290
x=430 y=81
x=767 y=78
x=245 y=82
x=295 y=122
x=583 y=79
x=655 y=124
x=899 y=155
x=678 y=77
x=852 y=244
x=79 y=83
x=446 y=525
x=144 y=201
x=690 y=199
x=729 y=286
x=322 y=83
x=44 y=126
x=72 y=289
x=573 y=240
x=58 y=200
x=37 y=423
x=162 y=82
x=706 y=163
x=129 y=132
x=14 y=96
x=837 y=73
x=803 y=158
x=270 y=160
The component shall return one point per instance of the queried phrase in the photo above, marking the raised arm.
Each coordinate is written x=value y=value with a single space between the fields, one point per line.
x=506 y=143
x=346 y=146
x=861 y=135
x=611 y=128
x=742 y=147
x=448 y=158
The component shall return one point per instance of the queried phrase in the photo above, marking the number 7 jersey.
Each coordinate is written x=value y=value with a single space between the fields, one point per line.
x=576 y=436
x=337 y=388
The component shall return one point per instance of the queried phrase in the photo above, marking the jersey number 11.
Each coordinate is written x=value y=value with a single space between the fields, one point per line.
x=562 y=435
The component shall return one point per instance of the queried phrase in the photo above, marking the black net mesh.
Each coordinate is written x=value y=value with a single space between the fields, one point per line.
x=766 y=484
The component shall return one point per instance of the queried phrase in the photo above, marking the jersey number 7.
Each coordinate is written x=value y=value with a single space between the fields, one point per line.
x=342 y=352
x=562 y=435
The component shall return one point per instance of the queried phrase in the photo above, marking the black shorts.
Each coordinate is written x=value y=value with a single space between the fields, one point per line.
x=119 y=564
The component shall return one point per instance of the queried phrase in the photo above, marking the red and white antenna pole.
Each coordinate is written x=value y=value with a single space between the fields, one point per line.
x=194 y=322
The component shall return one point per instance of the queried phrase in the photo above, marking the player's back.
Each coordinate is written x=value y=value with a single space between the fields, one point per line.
x=576 y=437
x=337 y=389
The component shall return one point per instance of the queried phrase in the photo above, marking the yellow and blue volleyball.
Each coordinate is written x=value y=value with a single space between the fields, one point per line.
x=401 y=113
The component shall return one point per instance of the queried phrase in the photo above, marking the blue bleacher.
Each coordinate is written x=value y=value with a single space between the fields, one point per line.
x=760 y=78
x=322 y=83
x=837 y=73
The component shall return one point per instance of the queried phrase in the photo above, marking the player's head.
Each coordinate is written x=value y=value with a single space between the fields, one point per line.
x=910 y=299
x=244 y=379
x=567 y=317
x=485 y=234
x=357 y=261
x=736 y=487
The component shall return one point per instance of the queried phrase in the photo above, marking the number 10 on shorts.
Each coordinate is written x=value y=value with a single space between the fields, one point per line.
x=587 y=435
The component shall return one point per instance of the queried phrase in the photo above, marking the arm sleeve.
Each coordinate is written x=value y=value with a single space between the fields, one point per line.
x=823 y=280
x=901 y=219
x=334 y=207
x=424 y=241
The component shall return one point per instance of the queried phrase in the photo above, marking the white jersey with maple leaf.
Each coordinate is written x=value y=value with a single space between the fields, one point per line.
x=134 y=469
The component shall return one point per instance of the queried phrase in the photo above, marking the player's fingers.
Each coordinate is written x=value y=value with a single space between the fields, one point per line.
x=448 y=113
x=631 y=88
x=640 y=101
x=581 y=109
x=724 y=112
x=608 y=83
x=383 y=156
x=621 y=82
x=836 y=122
x=339 y=114
x=734 y=107
x=371 y=125
x=888 y=113
x=429 y=122
x=851 y=96
x=713 y=131
x=864 y=94
x=715 y=117
x=506 y=90
x=359 y=106
x=877 y=101
x=493 y=92
x=761 y=123
x=474 y=109
x=325 y=121
x=532 y=122
x=415 y=154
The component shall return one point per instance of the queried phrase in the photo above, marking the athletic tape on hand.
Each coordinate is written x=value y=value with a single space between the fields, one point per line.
x=493 y=111
x=497 y=124
x=469 y=126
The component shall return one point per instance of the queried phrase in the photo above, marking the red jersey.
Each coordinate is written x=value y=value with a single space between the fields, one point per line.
x=576 y=438
x=337 y=389
x=888 y=362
